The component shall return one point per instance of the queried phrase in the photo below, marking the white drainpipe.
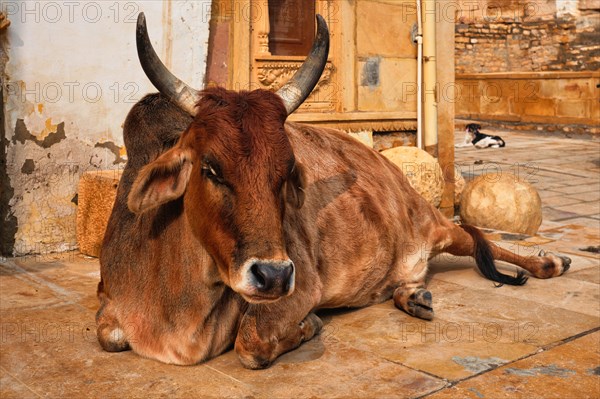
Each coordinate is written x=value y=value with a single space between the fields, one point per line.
x=419 y=40
x=430 y=134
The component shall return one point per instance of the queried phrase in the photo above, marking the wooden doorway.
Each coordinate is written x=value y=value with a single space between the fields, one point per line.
x=292 y=26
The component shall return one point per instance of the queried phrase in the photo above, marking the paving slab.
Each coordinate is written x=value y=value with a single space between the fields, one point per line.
x=54 y=353
x=582 y=209
x=591 y=275
x=478 y=324
x=570 y=370
x=574 y=295
x=561 y=200
x=587 y=221
x=538 y=340
x=327 y=367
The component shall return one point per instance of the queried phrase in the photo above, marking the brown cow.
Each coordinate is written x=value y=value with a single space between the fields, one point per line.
x=239 y=228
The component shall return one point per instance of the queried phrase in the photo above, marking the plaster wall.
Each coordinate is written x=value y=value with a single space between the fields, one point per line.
x=71 y=77
x=386 y=56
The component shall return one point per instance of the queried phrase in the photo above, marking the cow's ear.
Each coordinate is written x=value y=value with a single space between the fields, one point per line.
x=294 y=190
x=161 y=181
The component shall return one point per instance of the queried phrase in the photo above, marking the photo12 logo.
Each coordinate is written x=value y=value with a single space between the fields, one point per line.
x=90 y=92
x=454 y=11
x=469 y=332
x=17 y=332
x=53 y=12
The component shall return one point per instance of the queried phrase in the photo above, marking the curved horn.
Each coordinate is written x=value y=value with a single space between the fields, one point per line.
x=294 y=92
x=167 y=84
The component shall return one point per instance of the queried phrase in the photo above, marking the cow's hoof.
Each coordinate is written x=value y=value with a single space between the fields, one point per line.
x=420 y=304
x=566 y=263
x=310 y=326
x=556 y=265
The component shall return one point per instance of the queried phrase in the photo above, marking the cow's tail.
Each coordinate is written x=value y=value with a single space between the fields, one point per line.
x=484 y=258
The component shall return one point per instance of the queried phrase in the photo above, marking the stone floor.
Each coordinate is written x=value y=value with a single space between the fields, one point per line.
x=541 y=340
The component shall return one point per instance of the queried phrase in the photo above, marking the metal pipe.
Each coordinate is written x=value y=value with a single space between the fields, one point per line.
x=419 y=40
x=430 y=136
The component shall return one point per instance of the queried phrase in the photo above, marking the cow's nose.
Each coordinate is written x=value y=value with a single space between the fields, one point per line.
x=272 y=278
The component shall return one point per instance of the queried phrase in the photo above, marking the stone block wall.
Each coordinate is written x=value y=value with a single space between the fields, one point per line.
x=387 y=68
x=530 y=65
x=558 y=44
x=527 y=36
x=565 y=102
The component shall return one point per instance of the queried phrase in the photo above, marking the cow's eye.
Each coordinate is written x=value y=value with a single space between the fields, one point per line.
x=210 y=172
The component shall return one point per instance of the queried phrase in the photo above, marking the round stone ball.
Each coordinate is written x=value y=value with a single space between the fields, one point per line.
x=501 y=201
x=459 y=186
x=422 y=170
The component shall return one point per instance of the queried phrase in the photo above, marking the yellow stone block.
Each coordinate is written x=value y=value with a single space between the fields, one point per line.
x=574 y=88
x=536 y=107
x=97 y=193
x=467 y=98
x=495 y=105
x=573 y=108
x=396 y=90
x=365 y=137
x=384 y=28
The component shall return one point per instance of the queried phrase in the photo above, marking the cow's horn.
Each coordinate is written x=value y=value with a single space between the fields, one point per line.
x=294 y=92
x=166 y=83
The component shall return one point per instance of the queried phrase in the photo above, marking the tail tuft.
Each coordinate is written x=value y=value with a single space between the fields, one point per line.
x=485 y=259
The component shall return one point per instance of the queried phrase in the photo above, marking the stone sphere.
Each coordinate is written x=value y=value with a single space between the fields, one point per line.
x=422 y=170
x=365 y=137
x=502 y=202
x=459 y=186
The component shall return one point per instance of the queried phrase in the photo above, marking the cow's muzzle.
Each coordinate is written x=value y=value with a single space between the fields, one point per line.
x=268 y=280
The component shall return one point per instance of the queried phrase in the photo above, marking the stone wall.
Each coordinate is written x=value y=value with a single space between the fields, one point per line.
x=7 y=221
x=529 y=37
x=386 y=68
x=529 y=65
x=563 y=102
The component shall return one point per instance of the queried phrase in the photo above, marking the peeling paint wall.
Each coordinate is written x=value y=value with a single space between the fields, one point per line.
x=71 y=77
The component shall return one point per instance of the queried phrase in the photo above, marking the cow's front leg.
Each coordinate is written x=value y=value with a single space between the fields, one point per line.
x=264 y=335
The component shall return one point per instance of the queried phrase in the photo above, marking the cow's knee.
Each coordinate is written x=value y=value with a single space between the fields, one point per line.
x=256 y=353
x=414 y=301
x=111 y=335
